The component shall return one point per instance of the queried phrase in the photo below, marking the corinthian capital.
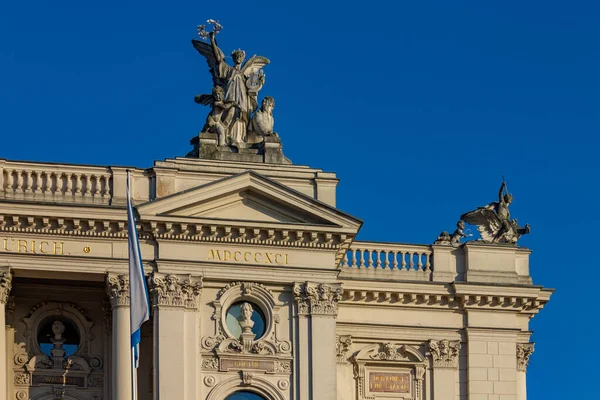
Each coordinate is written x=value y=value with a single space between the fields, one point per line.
x=117 y=287
x=444 y=353
x=524 y=351
x=175 y=290
x=317 y=298
x=5 y=285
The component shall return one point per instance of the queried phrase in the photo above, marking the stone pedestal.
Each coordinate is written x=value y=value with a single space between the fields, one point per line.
x=268 y=151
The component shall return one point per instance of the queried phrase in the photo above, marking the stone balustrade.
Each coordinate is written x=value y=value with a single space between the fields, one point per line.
x=49 y=182
x=394 y=257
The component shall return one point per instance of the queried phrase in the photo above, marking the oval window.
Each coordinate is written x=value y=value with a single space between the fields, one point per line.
x=245 y=316
x=58 y=334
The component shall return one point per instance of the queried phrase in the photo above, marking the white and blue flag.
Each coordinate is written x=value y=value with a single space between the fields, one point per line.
x=139 y=305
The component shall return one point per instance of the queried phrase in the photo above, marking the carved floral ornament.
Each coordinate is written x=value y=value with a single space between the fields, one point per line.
x=524 y=352
x=389 y=358
x=175 y=290
x=317 y=298
x=117 y=288
x=5 y=285
x=223 y=342
x=342 y=345
x=444 y=353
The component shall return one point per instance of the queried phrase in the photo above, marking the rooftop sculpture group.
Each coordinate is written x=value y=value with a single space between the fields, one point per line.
x=235 y=117
x=493 y=223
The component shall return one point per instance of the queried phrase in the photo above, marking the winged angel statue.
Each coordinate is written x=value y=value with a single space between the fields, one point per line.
x=493 y=220
x=234 y=96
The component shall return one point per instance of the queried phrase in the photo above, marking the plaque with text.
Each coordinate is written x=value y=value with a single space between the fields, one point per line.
x=389 y=382
x=58 y=380
x=253 y=365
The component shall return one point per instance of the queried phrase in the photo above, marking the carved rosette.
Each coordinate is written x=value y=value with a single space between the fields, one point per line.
x=117 y=288
x=524 y=351
x=5 y=285
x=175 y=291
x=444 y=353
x=317 y=298
x=342 y=345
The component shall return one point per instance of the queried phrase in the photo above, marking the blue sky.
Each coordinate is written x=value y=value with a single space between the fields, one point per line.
x=420 y=107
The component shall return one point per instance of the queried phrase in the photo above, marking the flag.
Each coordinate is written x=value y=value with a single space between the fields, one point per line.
x=139 y=306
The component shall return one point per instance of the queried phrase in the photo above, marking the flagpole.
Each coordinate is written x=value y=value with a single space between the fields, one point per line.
x=139 y=303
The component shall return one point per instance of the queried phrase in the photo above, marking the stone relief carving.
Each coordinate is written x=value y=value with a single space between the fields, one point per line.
x=117 y=288
x=5 y=285
x=317 y=298
x=269 y=344
x=22 y=378
x=247 y=378
x=210 y=363
x=342 y=345
x=388 y=354
x=493 y=220
x=210 y=380
x=444 y=353
x=171 y=290
x=95 y=381
x=283 y=367
x=524 y=352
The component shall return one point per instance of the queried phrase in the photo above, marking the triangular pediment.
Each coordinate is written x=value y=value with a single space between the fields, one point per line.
x=248 y=196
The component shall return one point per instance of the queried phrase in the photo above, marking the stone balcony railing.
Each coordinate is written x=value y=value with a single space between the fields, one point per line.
x=471 y=262
x=405 y=261
x=55 y=183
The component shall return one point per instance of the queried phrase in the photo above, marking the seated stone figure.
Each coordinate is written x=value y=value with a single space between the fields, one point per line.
x=262 y=121
x=220 y=117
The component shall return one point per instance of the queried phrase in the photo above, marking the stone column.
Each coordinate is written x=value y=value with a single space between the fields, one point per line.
x=117 y=287
x=5 y=286
x=444 y=362
x=320 y=302
x=176 y=333
x=524 y=351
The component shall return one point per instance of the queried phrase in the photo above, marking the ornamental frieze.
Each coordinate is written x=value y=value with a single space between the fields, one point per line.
x=317 y=298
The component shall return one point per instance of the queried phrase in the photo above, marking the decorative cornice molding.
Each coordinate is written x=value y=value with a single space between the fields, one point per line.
x=342 y=345
x=117 y=288
x=444 y=353
x=175 y=230
x=5 y=285
x=175 y=290
x=317 y=298
x=525 y=303
x=524 y=352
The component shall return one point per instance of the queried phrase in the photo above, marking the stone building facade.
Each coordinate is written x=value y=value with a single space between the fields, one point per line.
x=225 y=243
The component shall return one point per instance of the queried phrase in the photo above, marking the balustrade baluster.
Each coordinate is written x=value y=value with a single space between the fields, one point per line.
x=403 y=260
x=19 y=176
x=411 y=258
x=427 y=262
x=96 y=191
x=386 y=263
x=38 y=182
x=85 y=185
x=370 y=258
x=28 y=183
x=395 y=260
x=78 y=180
x=419 y=261
x=362 y=258
x=378 y=262
x=345 y=260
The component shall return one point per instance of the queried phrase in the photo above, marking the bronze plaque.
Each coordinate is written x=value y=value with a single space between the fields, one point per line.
x=253 y=365
x=389 y=382
x=58 y=380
